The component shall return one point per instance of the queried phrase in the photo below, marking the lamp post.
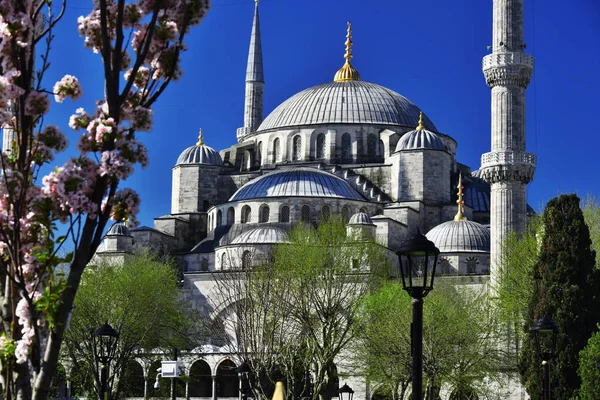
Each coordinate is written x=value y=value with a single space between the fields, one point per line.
x=346 y=392
x=545 y=332
x=418 y=260
x=105 y=345
x=243 y=370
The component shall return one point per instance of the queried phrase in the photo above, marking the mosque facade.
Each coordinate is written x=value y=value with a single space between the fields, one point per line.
x=351 y=148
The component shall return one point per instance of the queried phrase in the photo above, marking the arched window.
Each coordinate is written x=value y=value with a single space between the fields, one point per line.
x=131 y=380
x=259 y=154
x=346 y=148
x=204 y=265
x=264 y=214
x=381 y=148
x=224 y=261
x=363 y=210
x=208 y=223
x=284 y=214
x=246 y=259
x=219 y=218
x=305 y=214
x=230 y=216
x=276 y=152
x=325 y=213
x=371 y=145
x=321 y=146
x=227 y=380
x=200 y=380
x=297 y=148
x=471 y=265
x=346 y=213
x=246 y=214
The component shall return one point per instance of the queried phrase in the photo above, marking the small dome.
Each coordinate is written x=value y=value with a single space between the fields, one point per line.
x=297 y=182
x=200 y=154
x=420 y=139
x=360 y=219
x=118 y=229
x=262 y=235
x=460 y=236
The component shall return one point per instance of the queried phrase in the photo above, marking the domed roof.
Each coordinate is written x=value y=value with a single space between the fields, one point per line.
x=460 y=236
x=200 y=154
x=420 y=138
x=297 y=182
x=345 y=102
x=360 y=219
x=118 y=229
x=262 y=235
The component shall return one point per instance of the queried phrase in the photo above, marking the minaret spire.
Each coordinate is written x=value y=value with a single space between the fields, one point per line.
x=347 y=72
x=255 y=82
x=508 y=168
x=460 y=216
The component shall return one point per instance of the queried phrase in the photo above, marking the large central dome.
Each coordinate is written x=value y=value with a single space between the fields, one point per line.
x=346 y=102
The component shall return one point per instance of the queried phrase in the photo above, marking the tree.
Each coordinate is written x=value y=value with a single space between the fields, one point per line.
x=301 y=305
x=591 y=214
x=567 y=289
x=589 y=368
x=458 y=328
x=140 y=41
x=141 y=300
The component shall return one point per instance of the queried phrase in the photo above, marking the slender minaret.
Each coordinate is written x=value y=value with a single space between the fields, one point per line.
x=508 y=167
x=255 y=82
x=9 y=136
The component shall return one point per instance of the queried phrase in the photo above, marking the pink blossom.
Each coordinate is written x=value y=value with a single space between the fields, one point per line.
x=68 y=86
x=36 y=104
x=79 y=120
x=54 y=138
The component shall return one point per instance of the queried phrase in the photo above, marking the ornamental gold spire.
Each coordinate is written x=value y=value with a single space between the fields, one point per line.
x=459 y=215
x=200 y=139
x=420 y=127
x=347 y=72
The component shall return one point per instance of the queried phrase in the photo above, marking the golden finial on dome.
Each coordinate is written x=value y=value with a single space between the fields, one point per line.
x=459 y=215
x=200 y=139
x=420 y=127
x=347 y=72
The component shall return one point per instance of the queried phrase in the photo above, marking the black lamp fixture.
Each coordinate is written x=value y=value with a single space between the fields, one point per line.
x=105 y=341
x=346 y=392
x=244 y=383
x=545 y=332
x=418 y=260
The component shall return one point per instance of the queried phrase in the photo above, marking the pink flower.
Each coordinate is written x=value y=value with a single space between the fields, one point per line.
x=37 y=104
x=68 y=86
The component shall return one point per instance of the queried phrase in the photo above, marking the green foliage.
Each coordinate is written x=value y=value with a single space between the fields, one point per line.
x=140 y=299
x=567 y=289
x=591 y=214
x=457 y=348
x=589 y=368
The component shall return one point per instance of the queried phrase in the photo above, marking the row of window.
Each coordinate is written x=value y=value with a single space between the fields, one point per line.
x=264 y=213
x=320 y=146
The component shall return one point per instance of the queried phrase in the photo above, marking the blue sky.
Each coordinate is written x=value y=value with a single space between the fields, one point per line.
x=429 y=51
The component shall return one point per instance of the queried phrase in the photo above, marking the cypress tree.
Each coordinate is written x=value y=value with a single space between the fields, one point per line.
x=566 y=286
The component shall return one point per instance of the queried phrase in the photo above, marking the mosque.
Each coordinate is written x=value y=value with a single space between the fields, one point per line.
x=352 y=148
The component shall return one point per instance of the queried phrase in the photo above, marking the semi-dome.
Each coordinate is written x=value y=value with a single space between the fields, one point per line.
x=360 y=219
x=262 y=235
x=460 y=237
x=420 y=138
x=118 y=229
x=200 y=153
x=297 y=182
x=345 y=102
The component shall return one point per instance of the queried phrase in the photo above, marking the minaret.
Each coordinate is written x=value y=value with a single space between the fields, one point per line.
x=9 y=136
x=255 y=82
x=508 y=167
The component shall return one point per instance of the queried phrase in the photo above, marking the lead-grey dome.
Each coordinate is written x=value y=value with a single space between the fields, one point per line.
x=360 y=219
x=420 y=139
x=348 y=102
x=262 y=235
x=118 y=229
x=297 y=182
x=199 y=154
x=460 y=236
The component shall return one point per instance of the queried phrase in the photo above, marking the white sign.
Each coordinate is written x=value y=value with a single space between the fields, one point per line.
x=169 y=369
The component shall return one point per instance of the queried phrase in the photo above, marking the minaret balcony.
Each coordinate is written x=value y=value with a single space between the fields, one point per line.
x=506 y=166
x=508 y=69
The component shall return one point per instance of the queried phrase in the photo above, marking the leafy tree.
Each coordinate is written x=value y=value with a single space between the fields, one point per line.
x=458 y=328
x=139 y=43
x=589 y=368
x=567 y=289
x=303 y=302
x=591 y=214
x=141 y=300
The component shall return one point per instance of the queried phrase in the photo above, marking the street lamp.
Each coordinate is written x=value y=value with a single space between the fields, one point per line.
x=418 y=260
x=243 y=370
x=105 y=345
x=545 y=332
x=346 y=392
